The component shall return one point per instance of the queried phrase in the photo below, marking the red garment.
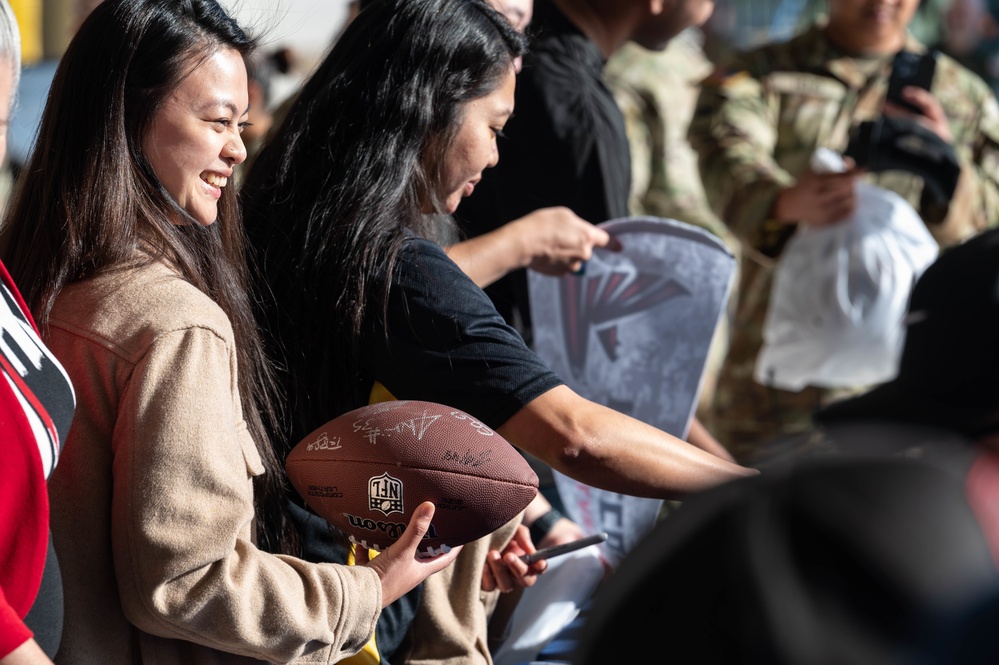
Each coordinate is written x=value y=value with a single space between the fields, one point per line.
x=24 y=511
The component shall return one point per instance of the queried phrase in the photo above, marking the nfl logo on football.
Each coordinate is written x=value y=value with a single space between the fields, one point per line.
x=385 y=494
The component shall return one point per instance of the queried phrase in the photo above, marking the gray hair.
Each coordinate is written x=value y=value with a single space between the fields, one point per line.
x=10 y=44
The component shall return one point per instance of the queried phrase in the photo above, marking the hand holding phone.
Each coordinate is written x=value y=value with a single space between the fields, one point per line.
x=564 y=548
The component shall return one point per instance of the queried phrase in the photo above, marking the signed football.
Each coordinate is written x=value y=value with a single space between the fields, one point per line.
x=365 y=472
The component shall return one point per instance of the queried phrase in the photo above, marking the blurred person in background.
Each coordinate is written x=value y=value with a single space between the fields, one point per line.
x=567 y=144
x=970 y=34
x=761 y=116
x=656 y=92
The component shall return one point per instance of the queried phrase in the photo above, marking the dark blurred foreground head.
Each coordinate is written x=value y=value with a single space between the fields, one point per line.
x=831 y=561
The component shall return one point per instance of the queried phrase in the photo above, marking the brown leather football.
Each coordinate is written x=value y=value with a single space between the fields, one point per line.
x=366 y=470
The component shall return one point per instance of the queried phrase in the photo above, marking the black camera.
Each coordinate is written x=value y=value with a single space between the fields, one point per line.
x=901 y=143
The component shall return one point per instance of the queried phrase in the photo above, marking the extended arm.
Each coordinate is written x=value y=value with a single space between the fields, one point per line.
x=475 y=362
x=553 y=241
x=607 y=449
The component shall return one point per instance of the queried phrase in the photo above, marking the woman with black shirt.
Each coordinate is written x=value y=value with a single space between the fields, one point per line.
x=348 y=209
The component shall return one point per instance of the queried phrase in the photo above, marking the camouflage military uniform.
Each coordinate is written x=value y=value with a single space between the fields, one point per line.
x=757 y=123
x=657 y=92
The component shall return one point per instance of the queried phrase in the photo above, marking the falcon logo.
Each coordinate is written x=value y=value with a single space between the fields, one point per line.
x=600 y=301
x=385 y=494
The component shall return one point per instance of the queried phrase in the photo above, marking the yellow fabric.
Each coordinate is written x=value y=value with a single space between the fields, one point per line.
x=29 y=22
x=380 y=393
x=369 y=655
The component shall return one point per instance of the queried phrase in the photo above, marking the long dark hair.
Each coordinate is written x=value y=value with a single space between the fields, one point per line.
x=328 y=201
x=89 y=199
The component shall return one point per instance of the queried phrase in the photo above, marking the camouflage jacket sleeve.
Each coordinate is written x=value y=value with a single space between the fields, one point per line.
x=734 y=131
x=973 y=113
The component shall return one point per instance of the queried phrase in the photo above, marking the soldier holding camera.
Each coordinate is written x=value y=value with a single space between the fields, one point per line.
x=759 y=120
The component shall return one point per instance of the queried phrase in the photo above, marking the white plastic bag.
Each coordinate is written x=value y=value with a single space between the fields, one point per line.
x=840 y=293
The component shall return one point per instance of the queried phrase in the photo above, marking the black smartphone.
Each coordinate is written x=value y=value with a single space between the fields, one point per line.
x=564 y=548
x=915 y=69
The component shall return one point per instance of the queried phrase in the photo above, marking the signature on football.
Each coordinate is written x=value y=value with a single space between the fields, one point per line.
x=417 y=426
x=468 y=458
x=324 y=443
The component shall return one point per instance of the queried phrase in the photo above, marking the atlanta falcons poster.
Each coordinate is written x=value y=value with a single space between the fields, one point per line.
x=632 y=332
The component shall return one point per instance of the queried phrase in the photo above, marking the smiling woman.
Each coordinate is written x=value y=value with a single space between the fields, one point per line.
x=125 y=230
x=193 y=143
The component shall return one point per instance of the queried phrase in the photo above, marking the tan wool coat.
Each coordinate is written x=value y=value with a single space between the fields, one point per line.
x=152 y=500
